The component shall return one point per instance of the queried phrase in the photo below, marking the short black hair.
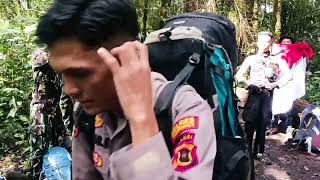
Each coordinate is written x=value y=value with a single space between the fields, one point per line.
x=90 y=21
x=282 y=37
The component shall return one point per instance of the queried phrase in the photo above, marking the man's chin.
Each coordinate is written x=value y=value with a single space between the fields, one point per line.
x=93 y=111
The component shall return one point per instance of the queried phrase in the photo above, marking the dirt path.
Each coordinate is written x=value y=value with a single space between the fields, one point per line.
x=12 y=162
x=287 y=165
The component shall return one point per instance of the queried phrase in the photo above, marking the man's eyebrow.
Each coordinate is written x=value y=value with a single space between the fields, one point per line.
x=75 y=69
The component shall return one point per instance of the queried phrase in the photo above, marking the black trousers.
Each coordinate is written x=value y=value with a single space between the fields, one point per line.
x=257 y=114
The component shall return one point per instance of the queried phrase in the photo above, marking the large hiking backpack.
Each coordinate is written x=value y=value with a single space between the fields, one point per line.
x=308 y=134
x=200 y=50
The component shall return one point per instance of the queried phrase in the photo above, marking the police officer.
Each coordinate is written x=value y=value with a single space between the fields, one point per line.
x=50 y=125
x=263 y=78
x=92 y=43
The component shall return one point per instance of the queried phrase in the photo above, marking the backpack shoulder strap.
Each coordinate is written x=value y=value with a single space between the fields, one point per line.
x=164 y=101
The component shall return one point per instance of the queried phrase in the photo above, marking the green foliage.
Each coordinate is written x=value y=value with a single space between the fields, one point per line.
x=313 y=88
x=157 y=12
x=301 y=20
x=9 y=9
x=17 y=26
x=16 y=43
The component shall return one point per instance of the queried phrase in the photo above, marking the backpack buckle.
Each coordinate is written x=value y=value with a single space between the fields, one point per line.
x=210 y=47
x=165 y=36
x=194 y=59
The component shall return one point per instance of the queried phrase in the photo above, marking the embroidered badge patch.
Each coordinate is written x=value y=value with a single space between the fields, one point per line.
x=76 y=132
x=184 y=124
x=98 y=121
x=97 y=159
x=185 y=157
x=187 y=137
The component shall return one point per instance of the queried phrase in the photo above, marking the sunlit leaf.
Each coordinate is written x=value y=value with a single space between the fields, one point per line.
x=12 y=112
x=19 y=143
x=4 y=25
x=24 y=119
x=30 y=29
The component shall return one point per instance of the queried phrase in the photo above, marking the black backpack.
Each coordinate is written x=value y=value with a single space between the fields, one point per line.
x=199 y=49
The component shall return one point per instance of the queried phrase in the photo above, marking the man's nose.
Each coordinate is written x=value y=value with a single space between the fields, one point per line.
x=70 y=88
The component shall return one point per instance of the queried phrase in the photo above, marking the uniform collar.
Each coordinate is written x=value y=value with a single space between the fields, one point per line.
x=109 y=119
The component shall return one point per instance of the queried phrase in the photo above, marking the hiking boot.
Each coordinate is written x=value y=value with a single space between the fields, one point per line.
x=261 y=157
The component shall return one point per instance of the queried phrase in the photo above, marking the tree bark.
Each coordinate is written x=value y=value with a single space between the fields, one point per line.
x=195 y=5
x=277 y=27
x=145 y=19
x=211 y=6
x=249 y=9
x=277 y=16
x=190 y=5
x=255 y=16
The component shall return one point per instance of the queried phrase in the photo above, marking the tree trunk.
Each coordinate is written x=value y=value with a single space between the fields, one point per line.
x=255 y=16
x=212 y=6
x=245 y=34
x=165 y=5
x=246 y=8
x=249 y=9
x=277 y=27
x=195 y=5
x=277 y=16
x=242 y=6
x=145 y=19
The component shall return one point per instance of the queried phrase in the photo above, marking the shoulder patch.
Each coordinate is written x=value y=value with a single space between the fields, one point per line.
x=185 y=157
x=187 y=137
x=98 y=121
x=187 y=123
x=75 y=132
x=97 y=160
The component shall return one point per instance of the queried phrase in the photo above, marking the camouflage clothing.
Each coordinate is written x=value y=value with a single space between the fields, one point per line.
x=51 y=112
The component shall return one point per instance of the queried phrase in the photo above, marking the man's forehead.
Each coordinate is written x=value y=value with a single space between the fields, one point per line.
x=71 y=54
x=68 y=47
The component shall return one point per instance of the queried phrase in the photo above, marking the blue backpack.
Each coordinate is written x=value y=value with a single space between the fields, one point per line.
x=56 y=164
